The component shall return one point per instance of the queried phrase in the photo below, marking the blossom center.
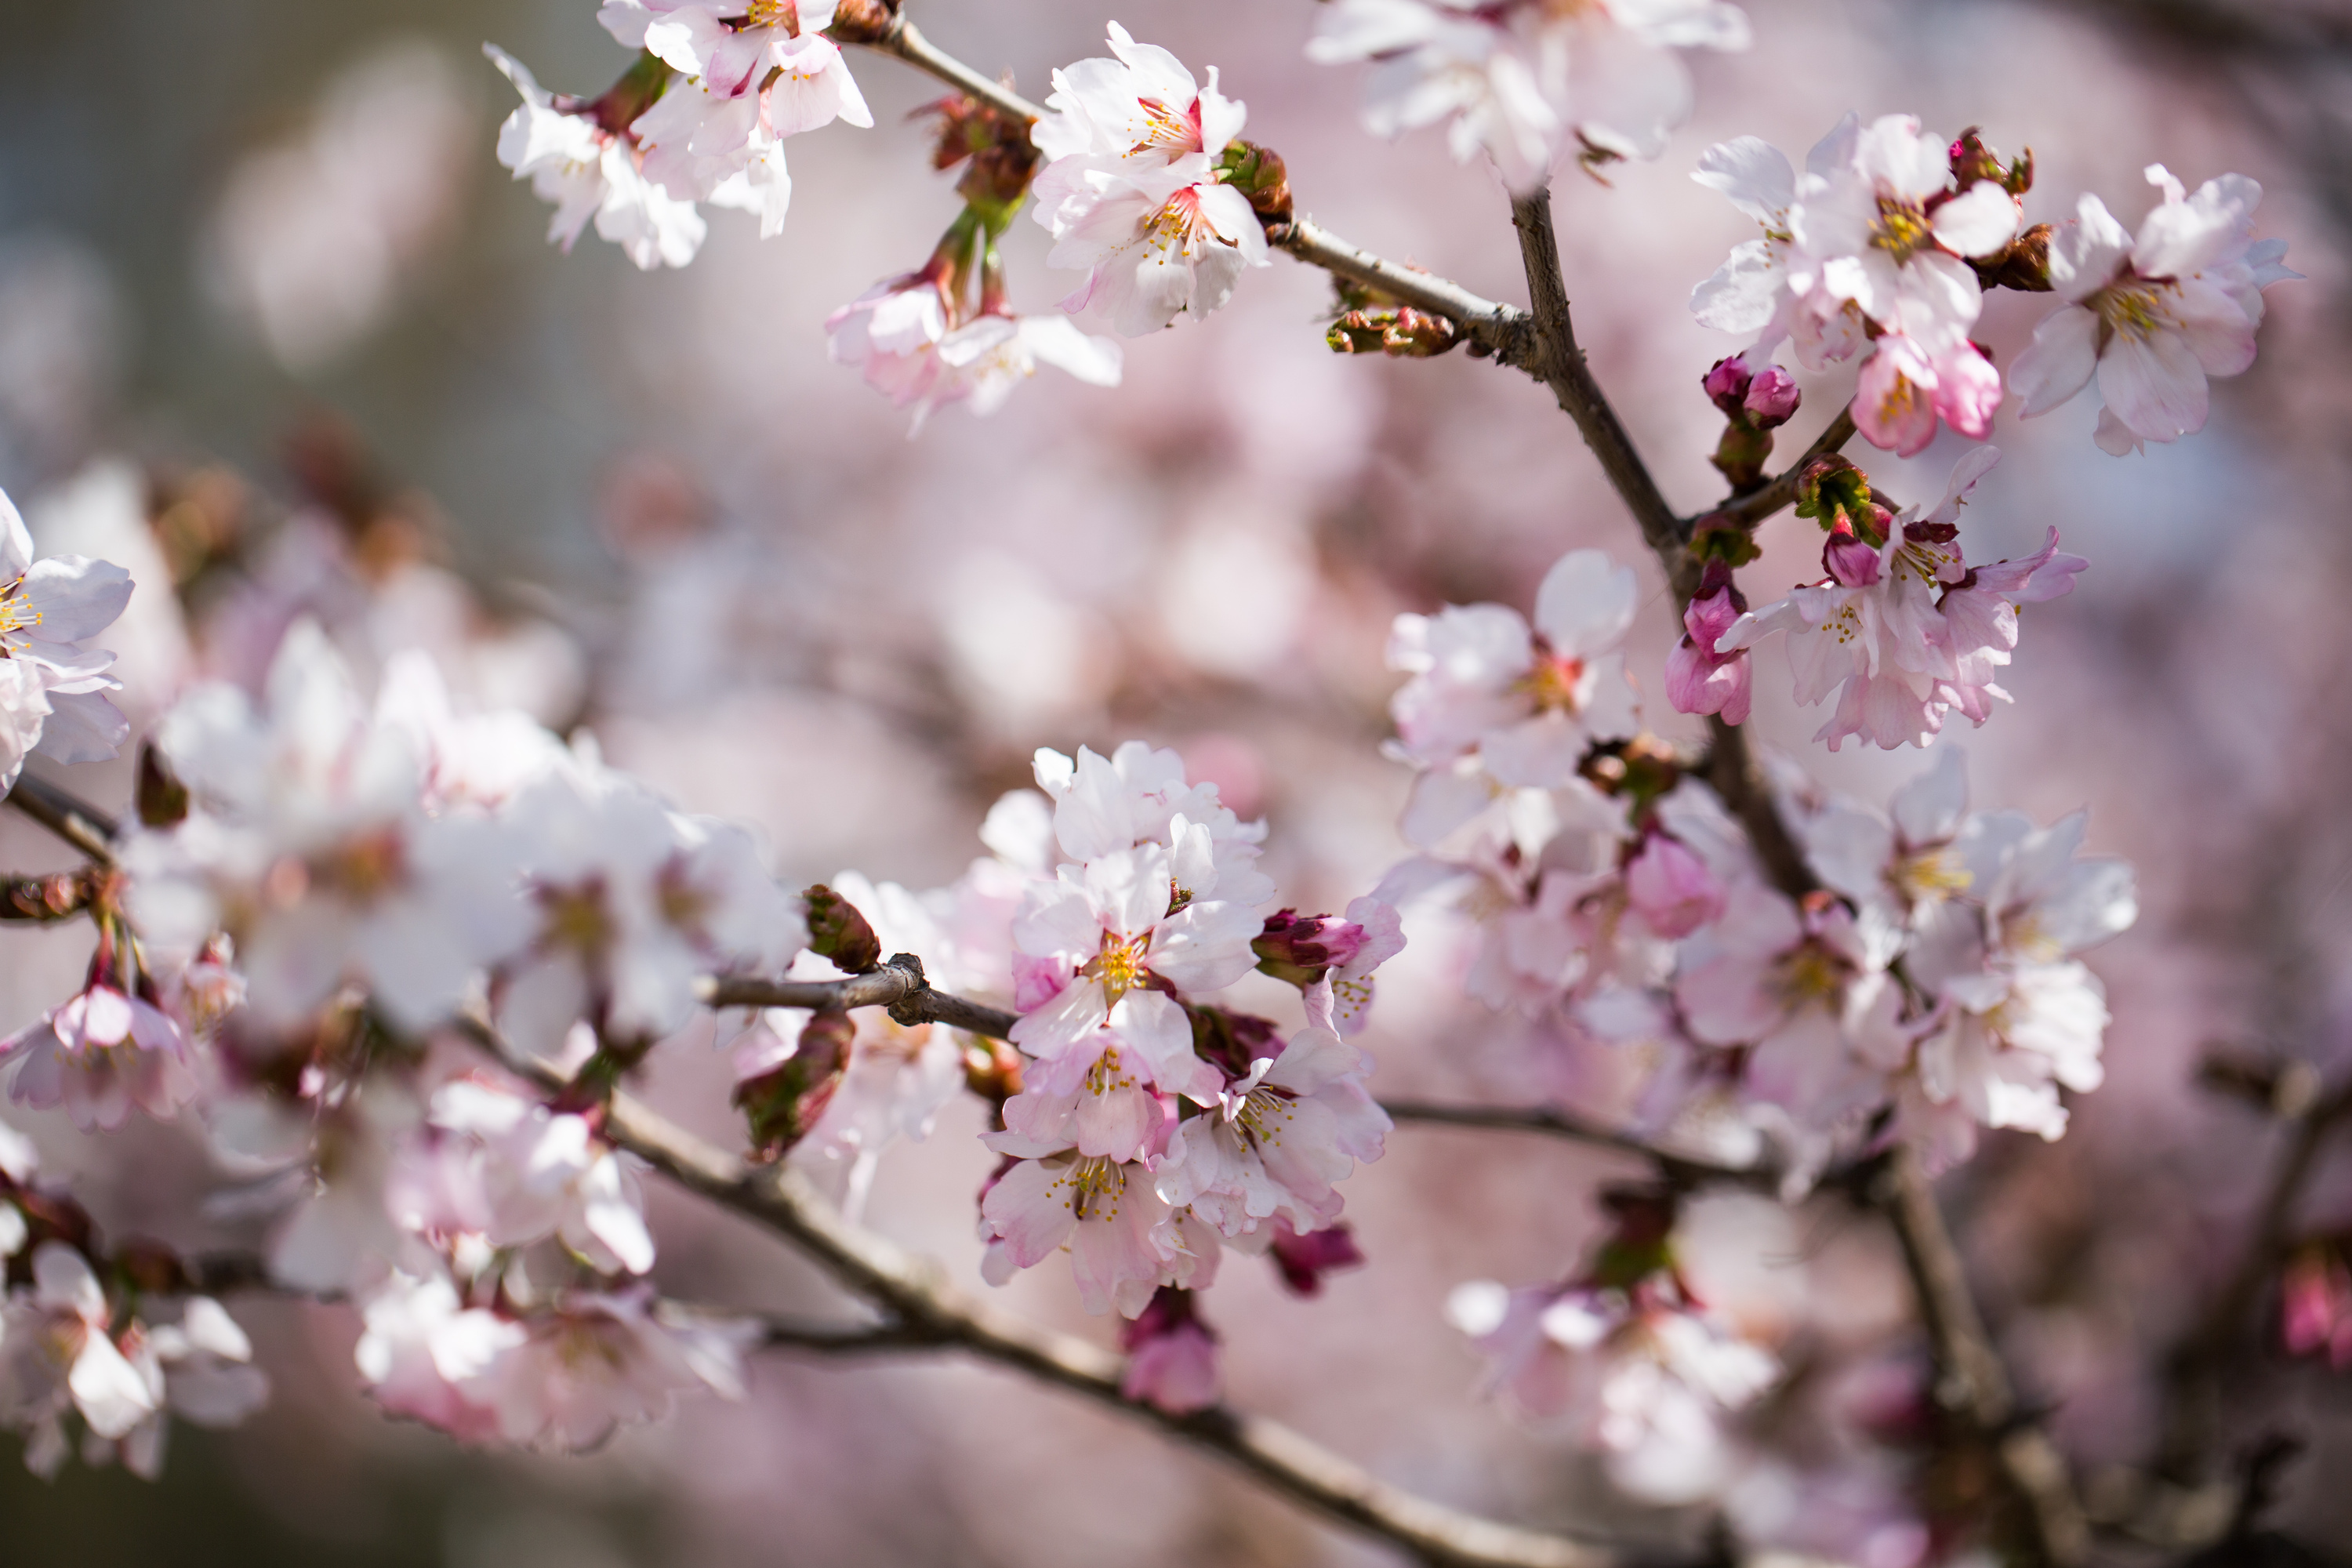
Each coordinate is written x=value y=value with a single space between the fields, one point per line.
x=1166 y=130
x=1556 y=685
x=2135 y=306
x=16 y=616
x=361 y=867
x=1902 y=229
x=1809 y=971
x=1118 y=968
x=575 y=918
x=784 y=14
x=1108 y=1074
x=1262 y=1114
x=1930 y=877
x=1096 y=1186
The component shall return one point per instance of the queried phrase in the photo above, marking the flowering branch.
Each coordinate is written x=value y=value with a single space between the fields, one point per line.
x=1748 y=511
x=928 y=1311
x=898 y=986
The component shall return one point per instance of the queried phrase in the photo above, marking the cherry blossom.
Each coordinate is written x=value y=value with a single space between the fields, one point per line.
x=1639 y=1376
x=497 y=1164
x=1524 y=702
x=1278 y=1140
x=52 y=690
x=587 y=171
x=204 y=1362
x=57 y=1354
x=591 y=1363
x=1527 y=80
x=1124 y=1240
x=2153 y=317
x=634 y=904
x=1699 y=678
x=1904 y=630
x=1131 y=189
x=1172 y=1355
x=99 y=1053
x=1133 y=797
x=307 y=843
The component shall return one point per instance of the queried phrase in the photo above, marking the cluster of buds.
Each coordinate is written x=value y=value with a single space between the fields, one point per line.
x=1372 y=321
x=995 y=149
x=2025 y=265
x=1755 y=403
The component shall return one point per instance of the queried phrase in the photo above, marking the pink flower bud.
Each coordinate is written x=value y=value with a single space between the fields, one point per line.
x=1305 y=1259
x=1672 y=888
x=1853 y=563
x=1172 y=1355
x=2315 y=1305
x=1699 y=678
x=1312 y=943
x=1726 y=384
x=1772 y=397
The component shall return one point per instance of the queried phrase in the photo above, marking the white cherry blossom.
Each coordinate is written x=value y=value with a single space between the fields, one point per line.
x=586 y=171
x=1276 y=1140
x=1130 y=189
x=2153 y=318
x=52 y=690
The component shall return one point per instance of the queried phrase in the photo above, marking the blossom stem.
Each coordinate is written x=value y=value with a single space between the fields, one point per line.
x=923 y=1308
x=1750 y=509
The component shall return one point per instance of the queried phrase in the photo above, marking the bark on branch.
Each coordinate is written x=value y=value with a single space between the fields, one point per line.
x=67 y=815
x=924 y=1308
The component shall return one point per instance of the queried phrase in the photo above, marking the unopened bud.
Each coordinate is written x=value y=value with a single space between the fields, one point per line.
x=162 y=798
x=1258 y=173
x=1726 y=385
x=1772 y=397
x=862 y=21
x=783 y=1103
x=1973 y=160
x=2023 y=265
x=1832 y=490
x=1305 y=1259
x=839 y=933
x=1299 y=948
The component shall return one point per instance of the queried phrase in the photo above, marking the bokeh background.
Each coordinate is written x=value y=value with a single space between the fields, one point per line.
x=271 y=313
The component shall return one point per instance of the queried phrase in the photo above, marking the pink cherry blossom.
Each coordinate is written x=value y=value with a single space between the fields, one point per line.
x=58 y=1355
x=1527 y=81
x=1278 y=1140
x=2153 y=318
x=53 y=689
x=99 y=1054
x=586 y=171
x=1172 y=1355
x=1699 y=678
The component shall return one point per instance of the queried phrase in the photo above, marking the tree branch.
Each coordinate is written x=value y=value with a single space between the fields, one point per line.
x=1560 y=366
x=924 y=1306
x=67 y=815
x=2192 y=1373
x=898 y=986
x=1972 y=1382
x=1753 y=508
x=1545 y=1122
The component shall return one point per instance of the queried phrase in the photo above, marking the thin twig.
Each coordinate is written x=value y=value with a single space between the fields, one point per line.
x=898 y=986
x=1545 y=1122
x=2192 y=1373
x=1753 y=508
x=915 y=1292
x=67 y=815
x=903 y=39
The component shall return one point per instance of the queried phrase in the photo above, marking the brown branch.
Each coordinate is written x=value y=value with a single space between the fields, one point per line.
x=1545 y=1122
x=44 y=901
x=898 y=986
x=2193 y=1371
x=1504 y=330
x=1972 y=1382
x=1781 y=491
x=923 y=1306
x=1559 y=363
x=67 y=815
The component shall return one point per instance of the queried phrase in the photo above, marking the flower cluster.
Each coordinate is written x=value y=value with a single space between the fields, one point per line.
x=1153 y=1126
x=1900 y=627
x=1134 y=187
x=1932 y=974
x=1872 y=248
x=1890 y=238
x=1529 y=81
x=701 y=117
